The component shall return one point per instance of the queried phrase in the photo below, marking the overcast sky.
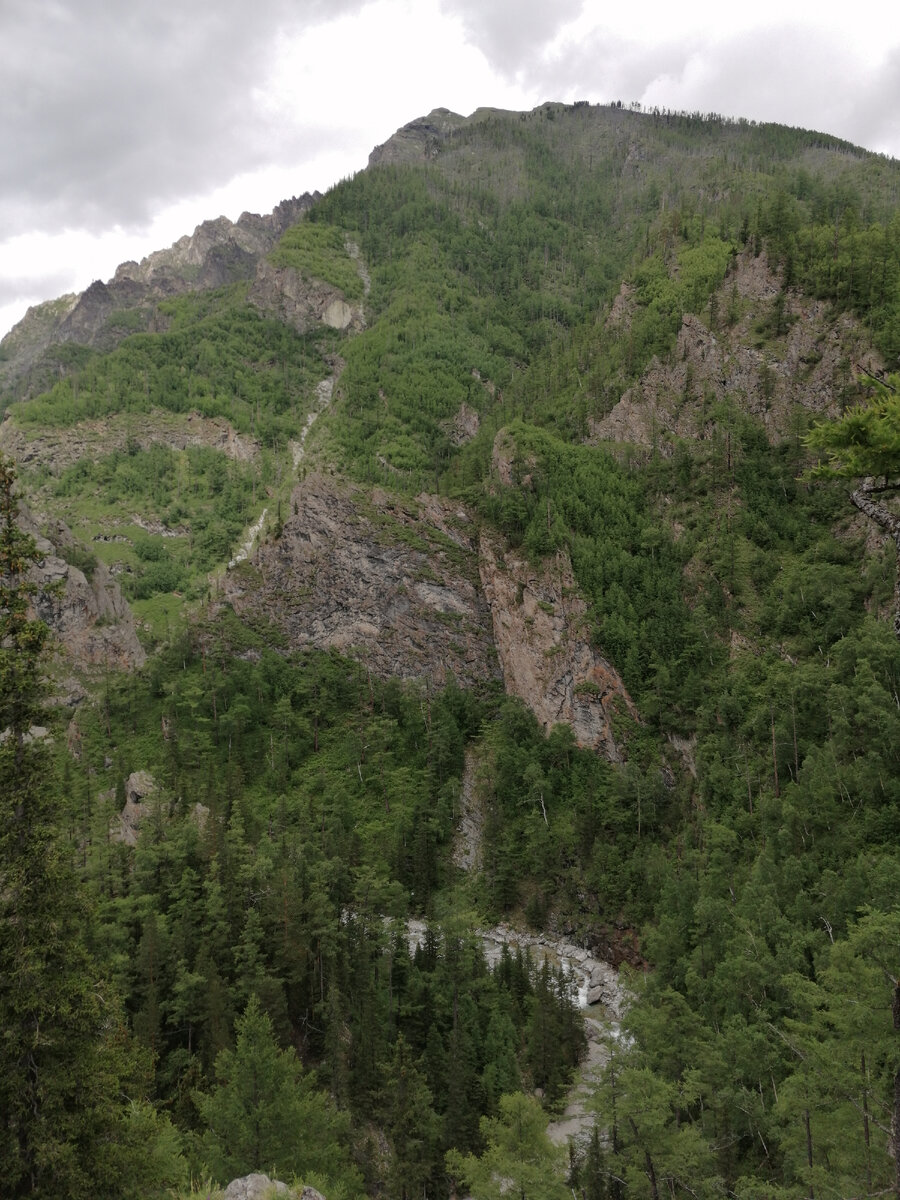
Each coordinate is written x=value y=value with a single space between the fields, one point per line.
x=124 y=123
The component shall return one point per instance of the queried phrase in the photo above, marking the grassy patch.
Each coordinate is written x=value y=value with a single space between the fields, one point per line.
x=318 y=251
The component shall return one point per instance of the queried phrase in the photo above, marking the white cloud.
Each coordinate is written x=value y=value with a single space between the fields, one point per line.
x=132 y=123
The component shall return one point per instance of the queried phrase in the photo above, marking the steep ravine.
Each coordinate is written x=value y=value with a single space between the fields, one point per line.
x=600 y=993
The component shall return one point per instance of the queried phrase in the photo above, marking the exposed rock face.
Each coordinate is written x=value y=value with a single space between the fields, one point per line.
x=255 y=1187
x=464 y=425
x=395 y=586
x=27 y=340
x=467 y=842
x=504 y=457
x=808 y=365
x=208 y=257
x=56 y=449
x=127 y=825
x=597 y=983
x=541 y=635
x=418 y=139
x=216 y=253
x=622 y=310
x=89 y=616
x=303 y=303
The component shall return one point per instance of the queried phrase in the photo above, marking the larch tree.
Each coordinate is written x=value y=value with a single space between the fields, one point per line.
x=864 y=446
x=66 y=1065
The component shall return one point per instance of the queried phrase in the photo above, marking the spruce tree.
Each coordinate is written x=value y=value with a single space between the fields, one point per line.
x=267 y=1114
x=64 y=1058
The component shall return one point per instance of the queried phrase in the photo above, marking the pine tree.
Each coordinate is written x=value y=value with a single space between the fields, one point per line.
x=864 y=445
x=64 y=1056
x=411 y=1124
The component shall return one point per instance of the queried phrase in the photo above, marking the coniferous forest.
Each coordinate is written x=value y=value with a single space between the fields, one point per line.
x=628 y=384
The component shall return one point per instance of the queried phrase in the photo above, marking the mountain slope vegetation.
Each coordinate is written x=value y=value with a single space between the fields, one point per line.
x=611 y=344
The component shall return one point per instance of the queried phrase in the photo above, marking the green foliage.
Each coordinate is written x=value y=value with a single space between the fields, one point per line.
x=829 y=245
x=465 y=288
x=666 y=290
x=267 y=1114
x=22 y=638
x=651 y=1150
x=330 y=801
x=219 y=357
x=198 y=495
x=580 y=499
x=66 y=1064
x=752 y=828
x=519 y=1157
x=840 y=1102
x=864 y=442
x=318 y=251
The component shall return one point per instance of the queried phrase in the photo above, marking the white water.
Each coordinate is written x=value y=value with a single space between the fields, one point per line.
x=252 y=534
x=324 y=391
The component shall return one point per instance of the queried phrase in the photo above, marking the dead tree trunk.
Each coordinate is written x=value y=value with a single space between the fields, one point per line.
x=890 y=523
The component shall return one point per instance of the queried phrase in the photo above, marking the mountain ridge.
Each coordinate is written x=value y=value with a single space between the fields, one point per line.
x=491 y=564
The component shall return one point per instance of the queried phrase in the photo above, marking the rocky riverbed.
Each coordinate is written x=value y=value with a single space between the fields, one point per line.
x=601 y=995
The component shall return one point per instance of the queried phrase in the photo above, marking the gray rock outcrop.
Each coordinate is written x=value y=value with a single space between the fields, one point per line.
x=418 y=139
x=218 y=252
x=812 y=364
x=255 y=1187
x=89 y=616
x=301 y=302
x=261 y=1187
x=126 y=826
x=395 y=585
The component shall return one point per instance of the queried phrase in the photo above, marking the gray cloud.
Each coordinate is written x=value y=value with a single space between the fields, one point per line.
x=13 y=288
x=875 y=109
x=110 y=111
x=790 y=74
x=512 y=36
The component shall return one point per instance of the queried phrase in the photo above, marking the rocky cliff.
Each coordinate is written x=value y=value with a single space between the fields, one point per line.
x=302 y=303
x=394 y=583
x=543 y=642
x=216 y=253
x=764 y=347
x=85 y=609
x=418 y=139
x=414 y=590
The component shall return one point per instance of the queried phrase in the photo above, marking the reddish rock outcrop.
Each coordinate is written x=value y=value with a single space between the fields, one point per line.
x=542 y=640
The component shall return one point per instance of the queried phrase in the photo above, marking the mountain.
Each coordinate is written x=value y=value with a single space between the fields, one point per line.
x=217 y=253
x=496 y=508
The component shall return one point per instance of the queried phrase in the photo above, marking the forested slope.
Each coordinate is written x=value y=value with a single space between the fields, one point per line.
x=565 y=373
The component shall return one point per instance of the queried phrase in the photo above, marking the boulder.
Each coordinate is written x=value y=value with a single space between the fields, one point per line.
x=255 y=1187
x=261 y=1187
